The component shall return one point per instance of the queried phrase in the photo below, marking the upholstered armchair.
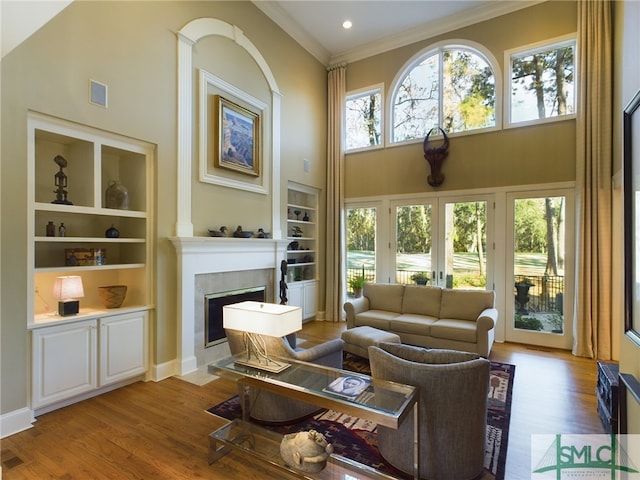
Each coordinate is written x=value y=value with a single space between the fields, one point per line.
x=270 y=408
x=453 y=388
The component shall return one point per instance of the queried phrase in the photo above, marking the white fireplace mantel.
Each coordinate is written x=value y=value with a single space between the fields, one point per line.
x=202 y=255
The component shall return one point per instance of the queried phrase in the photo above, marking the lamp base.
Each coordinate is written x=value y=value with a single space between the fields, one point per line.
x=68 y=307
x=266 y=365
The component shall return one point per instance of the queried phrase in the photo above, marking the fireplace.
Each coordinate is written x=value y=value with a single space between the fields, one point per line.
x=213 y=303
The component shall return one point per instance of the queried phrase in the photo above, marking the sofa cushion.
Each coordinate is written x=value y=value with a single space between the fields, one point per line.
x=459 y=330
x=465 y=304
x=422 y=300
x=382 y=296
x=376 y=319
x=413 y=324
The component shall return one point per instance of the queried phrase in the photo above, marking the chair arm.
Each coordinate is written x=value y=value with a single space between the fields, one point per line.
x=487 y=319
x=321 y=354
x=353 y=307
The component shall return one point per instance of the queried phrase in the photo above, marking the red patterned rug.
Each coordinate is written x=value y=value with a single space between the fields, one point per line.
x=356 y=439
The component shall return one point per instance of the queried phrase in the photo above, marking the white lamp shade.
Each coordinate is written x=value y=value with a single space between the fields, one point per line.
x=268 y=319
x=65 y=288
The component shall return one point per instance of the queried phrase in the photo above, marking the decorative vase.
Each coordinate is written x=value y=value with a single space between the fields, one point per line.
x=51 y=229
x=112 y=296
x=112 y=232
x=117 y=196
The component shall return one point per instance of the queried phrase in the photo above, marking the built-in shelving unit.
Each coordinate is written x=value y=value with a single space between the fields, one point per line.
x=70 y=168
x=302 y=234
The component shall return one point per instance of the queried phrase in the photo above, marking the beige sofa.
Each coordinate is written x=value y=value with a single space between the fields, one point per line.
x=431 y=317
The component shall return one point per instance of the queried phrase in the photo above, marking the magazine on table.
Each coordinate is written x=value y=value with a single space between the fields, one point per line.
x=348 y=386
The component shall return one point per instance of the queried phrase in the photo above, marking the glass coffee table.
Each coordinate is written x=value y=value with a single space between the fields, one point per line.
x=385 y=403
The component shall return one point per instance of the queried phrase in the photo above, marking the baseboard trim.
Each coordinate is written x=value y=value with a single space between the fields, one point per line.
x=164 y=370
x=16 y=422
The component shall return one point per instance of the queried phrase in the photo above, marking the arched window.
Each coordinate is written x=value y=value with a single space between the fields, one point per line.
x=450 y=86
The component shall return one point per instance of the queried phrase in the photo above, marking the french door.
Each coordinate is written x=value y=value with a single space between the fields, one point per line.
x=539 y=279
x=443 y=240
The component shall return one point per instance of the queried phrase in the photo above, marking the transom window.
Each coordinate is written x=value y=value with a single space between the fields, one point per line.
x=541 y=82
x=363 y=118
x=451 y=87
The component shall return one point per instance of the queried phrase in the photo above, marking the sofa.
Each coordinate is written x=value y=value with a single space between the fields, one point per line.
x=428 y=316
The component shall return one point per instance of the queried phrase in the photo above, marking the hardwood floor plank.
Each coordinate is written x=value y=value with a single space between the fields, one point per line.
x=160 y=430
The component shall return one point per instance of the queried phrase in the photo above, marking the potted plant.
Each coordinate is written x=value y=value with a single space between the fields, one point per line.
x=356 y=284
x=421 y=278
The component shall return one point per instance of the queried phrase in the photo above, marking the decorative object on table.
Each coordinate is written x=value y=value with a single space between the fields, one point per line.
x=239 y=233
x=112 y=232
x=356 y=284
x=289 y=214
x=51 y=229
x=296 y=231
x=116 y=196
x=112 y=296
x=284 y=266
x=262 y=234
x=236 y=137
x=258 y=319
x=306 y=217
x=293 y=245
x=62 y=230
x=306 y=451
x=67 y=290
x=219 y=233
x=297 y=212
x=60 y=182
x=435 y=156
x=85 y=257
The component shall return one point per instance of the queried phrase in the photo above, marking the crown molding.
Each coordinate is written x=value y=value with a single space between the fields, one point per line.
x=294 y=30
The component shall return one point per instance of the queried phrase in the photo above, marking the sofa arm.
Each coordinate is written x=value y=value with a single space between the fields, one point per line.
x=353 y=307
x=328 y=353
x=487 y=319
x=486 y=334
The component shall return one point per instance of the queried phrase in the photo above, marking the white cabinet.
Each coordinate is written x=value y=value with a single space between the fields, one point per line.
x=123 y=347
x=302 y=250
x=304 y=295
x=81 y=357
x=64 y=362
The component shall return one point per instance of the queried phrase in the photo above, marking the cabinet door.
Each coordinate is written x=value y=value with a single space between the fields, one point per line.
x=309 y=307
x=64 y=362
x=123 y=346
x=294 y=295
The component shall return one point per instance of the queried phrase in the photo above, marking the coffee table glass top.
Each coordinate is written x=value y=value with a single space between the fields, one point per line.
x=329 y=386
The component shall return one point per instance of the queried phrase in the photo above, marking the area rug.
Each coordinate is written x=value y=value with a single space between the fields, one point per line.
x=356 y=439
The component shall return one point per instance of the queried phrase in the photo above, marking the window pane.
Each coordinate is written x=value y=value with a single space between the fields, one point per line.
x=542 y=83
x=413 y=244
x=468 y=92
x=363 y=113
x=415 y=107
x=361 y=245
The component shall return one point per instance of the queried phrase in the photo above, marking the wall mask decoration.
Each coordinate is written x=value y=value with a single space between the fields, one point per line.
x=436 y=155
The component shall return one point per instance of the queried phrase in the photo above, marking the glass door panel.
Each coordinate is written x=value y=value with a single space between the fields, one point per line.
x=537 y=313
x=361 y=247
x=464 y=246
x=413 y=262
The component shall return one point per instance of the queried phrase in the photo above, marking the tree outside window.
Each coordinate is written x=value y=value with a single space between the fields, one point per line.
x=363 y=119
x=543 y=82
x=451 y=87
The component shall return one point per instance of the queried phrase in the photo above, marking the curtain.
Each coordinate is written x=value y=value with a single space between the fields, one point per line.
x=335 y=194
x=593 y=299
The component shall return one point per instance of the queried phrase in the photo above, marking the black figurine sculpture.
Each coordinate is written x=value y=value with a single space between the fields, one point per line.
x=283 y=282
x=60 y=181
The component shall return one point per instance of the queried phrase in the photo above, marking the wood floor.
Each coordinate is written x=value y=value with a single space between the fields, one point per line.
x=159 y=430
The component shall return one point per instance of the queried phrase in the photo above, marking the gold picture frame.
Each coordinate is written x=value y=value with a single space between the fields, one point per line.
x=236 y=133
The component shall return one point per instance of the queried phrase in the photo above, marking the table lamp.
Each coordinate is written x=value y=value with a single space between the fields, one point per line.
x=67 y=290
x=258 y=319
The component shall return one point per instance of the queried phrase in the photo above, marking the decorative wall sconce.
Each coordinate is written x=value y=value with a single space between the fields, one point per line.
x=435 y=156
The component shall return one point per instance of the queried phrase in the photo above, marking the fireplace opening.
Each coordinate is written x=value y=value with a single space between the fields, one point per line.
x=213 y=303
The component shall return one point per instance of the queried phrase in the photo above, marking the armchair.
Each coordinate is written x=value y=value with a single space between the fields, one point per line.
x=270 y=408
x=453 y=388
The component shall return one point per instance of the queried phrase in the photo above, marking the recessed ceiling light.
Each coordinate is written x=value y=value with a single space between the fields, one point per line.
x=347 y=24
